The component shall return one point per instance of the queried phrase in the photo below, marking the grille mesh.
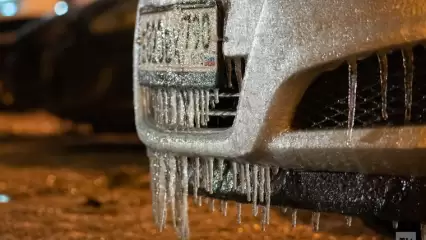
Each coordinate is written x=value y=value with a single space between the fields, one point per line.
x=325 y=103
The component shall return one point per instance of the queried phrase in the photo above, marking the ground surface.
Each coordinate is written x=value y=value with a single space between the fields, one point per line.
x=98 y=188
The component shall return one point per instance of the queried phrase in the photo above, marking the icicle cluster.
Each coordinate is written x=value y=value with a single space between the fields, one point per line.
x=170 y=183
x=182 y=108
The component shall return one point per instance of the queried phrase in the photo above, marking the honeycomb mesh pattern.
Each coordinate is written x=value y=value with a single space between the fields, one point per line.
x=325 y=103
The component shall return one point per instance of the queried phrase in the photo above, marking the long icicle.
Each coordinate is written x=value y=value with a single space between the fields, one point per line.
x=353 y=76
x=255 y=188
x=248 y=182
x=383 y=63
x=316 y=221
x=171 y=163
x=268 y=193
x=196 y=178
x=184 y=207
x=408 y=60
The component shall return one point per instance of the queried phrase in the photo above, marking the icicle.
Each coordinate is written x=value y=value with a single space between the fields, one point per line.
x=221 y=167
x=206 y=177
x=202 y=108
x=316 y=221
x=255 y=187
x=408 y=59
x=197 y=178
x=243 y=178
x=153 y=165
x=173 y=107
x=206 y=102
x=166 y=106
x=200 y=201
x=216 y=96
x=171 y=167
x=395 y=224
x=229 y=72
x=353 y=76
x=211 y=169
x=162 y=193
x=294 y=218
x=185 y=108
x=224 y=207
x=181 y=109
x=248 y=183
x=275 y=170
x=262 y=184
x=184 y=223
x=212 y=205
x=268 y=193
x=348 y=221
x=161 y=106
x=197 y=108
x=191 y=110
x=284 y=210
x=238 y=72
x=264 y=218
x=239 y=213
x=235 y=173
x=383 y=62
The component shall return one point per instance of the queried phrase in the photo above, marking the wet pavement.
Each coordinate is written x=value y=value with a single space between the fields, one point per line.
x=97 y=187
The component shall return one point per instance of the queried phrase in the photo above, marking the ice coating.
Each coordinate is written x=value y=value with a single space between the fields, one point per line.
x=352 y=75
x=183 y=108
x=408 y=59
x=383 y=63
x=170 y=183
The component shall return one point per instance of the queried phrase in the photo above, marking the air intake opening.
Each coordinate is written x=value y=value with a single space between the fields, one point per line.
x=391 y=91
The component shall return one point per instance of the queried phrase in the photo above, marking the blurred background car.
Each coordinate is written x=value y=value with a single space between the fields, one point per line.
x=76 y=64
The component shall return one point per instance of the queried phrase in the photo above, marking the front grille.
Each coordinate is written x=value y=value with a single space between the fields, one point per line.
x=325 y=103
x=187 y=108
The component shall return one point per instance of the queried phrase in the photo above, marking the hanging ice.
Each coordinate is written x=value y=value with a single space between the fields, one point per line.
x=316 y=221
x=353 y=75
x=408 y=59
x=383 y=63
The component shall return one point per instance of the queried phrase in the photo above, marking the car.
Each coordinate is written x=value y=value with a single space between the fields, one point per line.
x=78 y=65
x=314 y=105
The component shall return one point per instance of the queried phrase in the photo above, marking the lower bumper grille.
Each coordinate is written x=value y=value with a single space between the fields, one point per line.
x=391 y=91
x=188 y=108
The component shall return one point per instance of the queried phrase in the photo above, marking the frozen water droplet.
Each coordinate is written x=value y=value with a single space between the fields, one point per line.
x=268 y=193
x=395 y=224
x=191 y=110
x=206 y=107
x=229 y=72
x=239 y=213
x=284 y=210
x=348 y=221
x=197 y=177
x=224 y=207
x=255 y=188
x=316 y=221
x=383 y=63
x=206 y=177
x=216 y=96
x=262 y=184
x=166 y=105
x=200 y=201
x=212 y=205
x=184 y=223
x=211 y=168
x=243 y=178
x=408 y=60
x=294 y=218
x=202 y=108
x=235 y=175
x=353 y=76
x=197 y=108
x=173 y=107
x=221 y=168
x=248 y=182
x=171 y=167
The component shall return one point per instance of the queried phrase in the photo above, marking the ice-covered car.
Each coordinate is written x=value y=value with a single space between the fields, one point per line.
x=317 y=105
